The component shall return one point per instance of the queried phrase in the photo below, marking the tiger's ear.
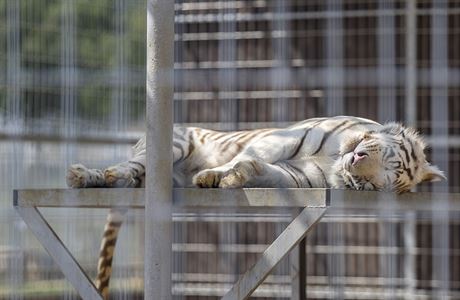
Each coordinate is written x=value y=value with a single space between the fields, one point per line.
x=432 y=173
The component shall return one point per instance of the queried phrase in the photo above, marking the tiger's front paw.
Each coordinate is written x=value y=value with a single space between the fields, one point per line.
x=233 y=179
x=119 y=176
x=207 y=178
x=212 y=178
x=78 y=176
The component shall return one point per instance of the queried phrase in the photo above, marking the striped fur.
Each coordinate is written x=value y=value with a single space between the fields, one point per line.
x=339 y=152
x=104 y=266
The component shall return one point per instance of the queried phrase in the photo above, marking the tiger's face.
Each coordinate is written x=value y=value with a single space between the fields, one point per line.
x=390 y=159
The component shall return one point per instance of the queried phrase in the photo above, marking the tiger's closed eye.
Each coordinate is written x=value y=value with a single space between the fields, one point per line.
x=394 y=164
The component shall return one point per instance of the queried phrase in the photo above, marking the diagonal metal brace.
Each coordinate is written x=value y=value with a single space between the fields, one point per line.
x=285 y=242
x=61 y=255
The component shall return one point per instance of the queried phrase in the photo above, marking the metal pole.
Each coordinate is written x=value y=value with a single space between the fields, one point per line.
x=158 y=204
x=411 y=63
x=386 y=62
x=410 y=244
x=440 y=157
x=334 y=76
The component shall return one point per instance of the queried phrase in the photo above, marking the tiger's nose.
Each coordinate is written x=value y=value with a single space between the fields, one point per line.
x=357 y=157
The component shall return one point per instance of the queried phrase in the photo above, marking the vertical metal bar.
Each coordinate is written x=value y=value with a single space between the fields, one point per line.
x=158 y=205
x=387 y=258
x=228 y=107
x=13 y=66
x=411 y=63
x=334 y=59
x=298 y=271
x=13 y=125
x=335 y=260
x=68 y=70
x=68 y=79
x=181 y=107
x=410 y=276
x=440 y=154
x=118 y=97
x=280 y=73
x=439 y=83
x=67 y=96
x=386 y=62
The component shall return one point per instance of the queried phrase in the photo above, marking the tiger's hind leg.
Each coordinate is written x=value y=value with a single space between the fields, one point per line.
x=126 y=174
x=79 y=176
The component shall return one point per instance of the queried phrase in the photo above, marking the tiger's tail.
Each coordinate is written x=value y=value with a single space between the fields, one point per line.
x=104 y=266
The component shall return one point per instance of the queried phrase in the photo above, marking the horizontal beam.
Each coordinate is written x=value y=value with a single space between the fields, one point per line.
x=377 y=201
x=202 y=75
x=104 y=139
x=183 y=198
x=241 y=198
x=83 y=198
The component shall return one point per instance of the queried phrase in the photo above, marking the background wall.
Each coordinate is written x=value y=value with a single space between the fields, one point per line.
x=72 y=90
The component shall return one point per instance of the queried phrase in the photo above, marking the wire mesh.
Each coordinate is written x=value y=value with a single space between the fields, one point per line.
x=72 y=89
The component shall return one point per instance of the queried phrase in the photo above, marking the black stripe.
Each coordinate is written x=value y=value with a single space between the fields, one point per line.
x=203 y=137
x=109 y=243
x=300 y=143
x=389 y=152
x=224 y=146
x=217 y=135
x=251 y=134
x=312 y=120
x=322 y=173
x=351 y=182
x=179 y=146
x=374 y=187
x=301 y=172
x=326 y=136
x=353 y=125
x=136 y=163
x=412 y=152
x=303 y=138
x=285 y=168
x=191 y=146
x=385 y=153
x=177 y=136
x=115 y=223
x=231 y=135
x=409 y=173
x=406 y=153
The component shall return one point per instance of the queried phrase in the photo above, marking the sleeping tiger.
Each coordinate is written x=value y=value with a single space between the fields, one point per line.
x=337 y=152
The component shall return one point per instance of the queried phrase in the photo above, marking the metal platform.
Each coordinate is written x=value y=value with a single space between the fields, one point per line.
x=307 y=205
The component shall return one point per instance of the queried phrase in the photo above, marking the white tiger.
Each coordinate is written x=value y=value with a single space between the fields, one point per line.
x=338 y=152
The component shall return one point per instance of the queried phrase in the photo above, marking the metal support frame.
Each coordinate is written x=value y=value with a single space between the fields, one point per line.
x=61 y=255
x=158 y=183
x=297 y=262
x=313 y=204
x=287 y=240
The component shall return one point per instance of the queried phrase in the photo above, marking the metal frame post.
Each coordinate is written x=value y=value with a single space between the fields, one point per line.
x=159 y=115
x=440 y=128
x=411 y=63
x=334 y=75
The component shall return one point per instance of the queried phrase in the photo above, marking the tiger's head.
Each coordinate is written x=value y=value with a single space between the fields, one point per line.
x=389 y=159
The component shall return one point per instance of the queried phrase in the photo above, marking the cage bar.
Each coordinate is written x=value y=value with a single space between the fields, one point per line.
x=158 y=183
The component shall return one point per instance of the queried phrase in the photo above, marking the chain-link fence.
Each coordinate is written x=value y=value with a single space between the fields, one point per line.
x=72 y=88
